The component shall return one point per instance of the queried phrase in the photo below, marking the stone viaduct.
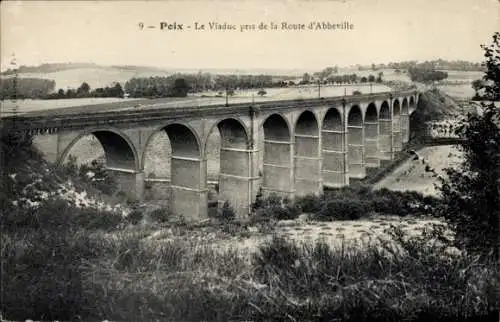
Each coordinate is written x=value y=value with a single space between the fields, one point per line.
x=308 y=144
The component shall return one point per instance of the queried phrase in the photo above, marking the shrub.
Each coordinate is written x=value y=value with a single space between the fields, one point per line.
x=43 y=274
x=344 y=209
x=276 y=208
x=161 y=215
x=310 y=203
x=227 y=213
x=135 y=217
x=58 y=215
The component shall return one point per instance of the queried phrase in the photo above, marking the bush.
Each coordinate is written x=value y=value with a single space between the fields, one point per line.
x=310 y=203
x=227 y=213
x=378 y=283
x=344 y=209
x=58 y=215
x=135 y=217
x=44 y=272
x=276 y=208
x=161 y=215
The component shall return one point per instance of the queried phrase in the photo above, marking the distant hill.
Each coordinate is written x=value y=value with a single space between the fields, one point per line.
x=72 y=75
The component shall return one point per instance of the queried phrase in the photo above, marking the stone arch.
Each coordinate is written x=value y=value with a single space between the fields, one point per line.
x=233 y=132
x=396 y=108
x=385 y=111
x=277 y=157
x=307 y=155
x=119 y=151
x=371 y=113
x=404 y=106
x=187 y=193
x=333 y=120
x=307 y=124
x=371 y=135
x=276 y=127
x=396 y=126
x=170 y=130
x=355 y=143
x=385 y=131
x=333 y=137
x=418 y=98
x=412 y=103
x=355 y=117
x=405 y=121
x=234 y=160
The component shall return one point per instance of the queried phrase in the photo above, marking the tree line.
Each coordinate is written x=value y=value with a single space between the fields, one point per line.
x=21 y=88
x=439 y=64
x=85 y=91
x=325 y=77
x=426 y=73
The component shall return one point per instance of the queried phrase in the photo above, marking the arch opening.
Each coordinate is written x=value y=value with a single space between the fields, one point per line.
x=396 y=126
x=230 y=180
x=405 y=121
x=385 y=132
x=176 y=171
x=276 y=128
x=371 y=113
x=355 y=117
x=111 y=150
x=307 y=124
x=277 y=157
x=404 y=108
x=104 y=146
x=371 y=136
x=332 y=120
x=333 y=145
x=355 y=143
x=385 y=111
x=307 y=155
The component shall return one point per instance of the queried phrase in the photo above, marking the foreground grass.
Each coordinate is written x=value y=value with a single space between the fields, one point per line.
x=65 y=273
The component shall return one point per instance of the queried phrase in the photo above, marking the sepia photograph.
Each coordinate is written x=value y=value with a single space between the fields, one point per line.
x=250 y=160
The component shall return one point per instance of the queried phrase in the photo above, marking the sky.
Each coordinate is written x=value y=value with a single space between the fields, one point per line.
x=109 y=33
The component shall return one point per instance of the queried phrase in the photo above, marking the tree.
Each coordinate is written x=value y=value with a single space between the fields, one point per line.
x=117 y=91
x=379 y=77
x=492 y=75
x=83 y=90
x=471 y=192
x=426 y=73
x=180 y=88
x=371 y=78
x=306 y=78
x=477 y=85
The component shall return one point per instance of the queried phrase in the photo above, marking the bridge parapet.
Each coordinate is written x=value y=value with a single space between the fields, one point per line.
x=64 y=118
